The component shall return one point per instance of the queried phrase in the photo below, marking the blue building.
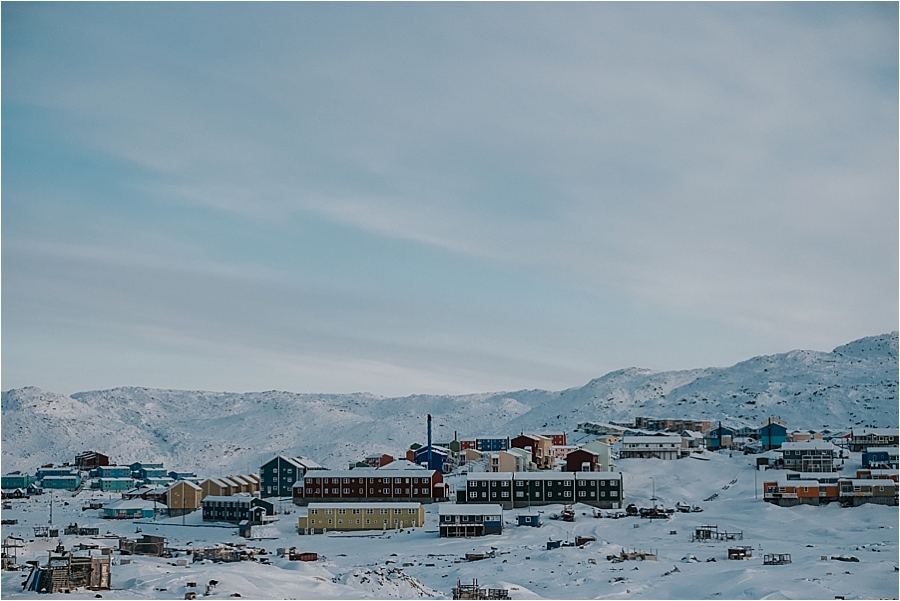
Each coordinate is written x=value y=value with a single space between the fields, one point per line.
x=492 y=444
x=772 y=434
x=114 y=471
x=880 y=457
x=16 y=480
x=720 y=437
x=530 y=519
x=182 y=475
x=439 y=457
x=53 y=471
x=70 y=482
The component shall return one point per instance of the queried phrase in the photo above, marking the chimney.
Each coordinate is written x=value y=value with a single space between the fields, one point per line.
x=429 y=442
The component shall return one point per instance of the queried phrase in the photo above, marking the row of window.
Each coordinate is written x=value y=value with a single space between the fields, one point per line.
x=369 y=511
x=330 y=521
x=385 y=491
x=566 y=494
x=364 y=480
x=521 y=483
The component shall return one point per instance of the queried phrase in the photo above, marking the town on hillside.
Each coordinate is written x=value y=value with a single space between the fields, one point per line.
x=480 y=486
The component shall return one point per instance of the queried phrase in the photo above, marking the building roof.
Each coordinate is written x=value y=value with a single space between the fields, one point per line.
x=890 y=450
x=584 y=450
x=470 y=509
x=402 y=464
x=365 y=473
x=869 y=481
x=384 y=505
x=546 y=475
x=876 y=432
x=651 y=439
x=221 y=498
x=808 y=445
x=129 y=504
x=180 y=482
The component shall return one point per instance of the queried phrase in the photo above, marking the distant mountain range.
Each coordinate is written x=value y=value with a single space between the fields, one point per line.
x=217 y=433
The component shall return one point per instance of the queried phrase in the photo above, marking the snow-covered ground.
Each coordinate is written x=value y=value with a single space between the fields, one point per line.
x=372 y=565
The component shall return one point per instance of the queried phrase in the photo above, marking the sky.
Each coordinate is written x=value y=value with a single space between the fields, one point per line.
x=406 y=198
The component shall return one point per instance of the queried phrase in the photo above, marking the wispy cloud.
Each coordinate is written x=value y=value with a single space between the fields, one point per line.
x=713 y=172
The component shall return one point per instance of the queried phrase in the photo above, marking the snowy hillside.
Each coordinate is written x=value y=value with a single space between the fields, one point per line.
x=212 y=432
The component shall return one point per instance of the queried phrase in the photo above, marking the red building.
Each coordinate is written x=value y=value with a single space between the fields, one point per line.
x=375 y=460
x=558 y=438
x=90 y=460
x=583 y=460
x=352 y=486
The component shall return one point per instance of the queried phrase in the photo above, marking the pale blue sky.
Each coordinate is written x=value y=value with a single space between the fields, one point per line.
x=440 y=198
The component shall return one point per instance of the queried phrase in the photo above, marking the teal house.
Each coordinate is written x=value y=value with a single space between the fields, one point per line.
x=116 y=484
x=70 y=482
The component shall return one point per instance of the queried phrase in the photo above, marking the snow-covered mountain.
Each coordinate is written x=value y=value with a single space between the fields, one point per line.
x=212 y=432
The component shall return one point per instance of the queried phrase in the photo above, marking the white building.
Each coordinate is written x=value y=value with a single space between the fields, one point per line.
x=651 y=447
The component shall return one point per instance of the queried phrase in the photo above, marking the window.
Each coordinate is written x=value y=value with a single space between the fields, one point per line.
x=327 y=512
x=581 y=493
x=396 y=491
x=342 y=511
x=384 y=511
x=356 y=512
x=413 y=511
x=613 y=493
x=314 y=511
x=505 y=494
x=520 y=494
x=473 y=495
x=334 y=480
x=346 y=480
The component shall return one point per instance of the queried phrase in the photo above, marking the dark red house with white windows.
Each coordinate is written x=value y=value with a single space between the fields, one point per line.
x=362 y=484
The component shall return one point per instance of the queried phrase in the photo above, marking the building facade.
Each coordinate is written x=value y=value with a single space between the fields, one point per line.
x=321 y=517
x=236 y=509
x=365 y=485
x=278 y=475
x=812 y=456
x=512 y=490
x=651 y=447
x=861 y=440
x=477 y=519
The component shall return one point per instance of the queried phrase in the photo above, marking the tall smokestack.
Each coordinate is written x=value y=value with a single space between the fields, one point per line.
x=429 y=441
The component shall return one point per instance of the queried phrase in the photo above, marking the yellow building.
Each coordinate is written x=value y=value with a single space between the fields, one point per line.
x=360 y=516
x=183 y=497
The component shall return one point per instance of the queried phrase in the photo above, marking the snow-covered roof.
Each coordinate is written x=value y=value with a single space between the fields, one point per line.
x=385 y=505
x=807 y=445
x=129 y=504
x=401 y=464
x=546 y=475
x=651 y=439
x=365 y=473
x=889 y=450
x=490 y=476
x=869 y=481
x=470 y=509
x=178 y=483
x=876 y=432
x=221 y=498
